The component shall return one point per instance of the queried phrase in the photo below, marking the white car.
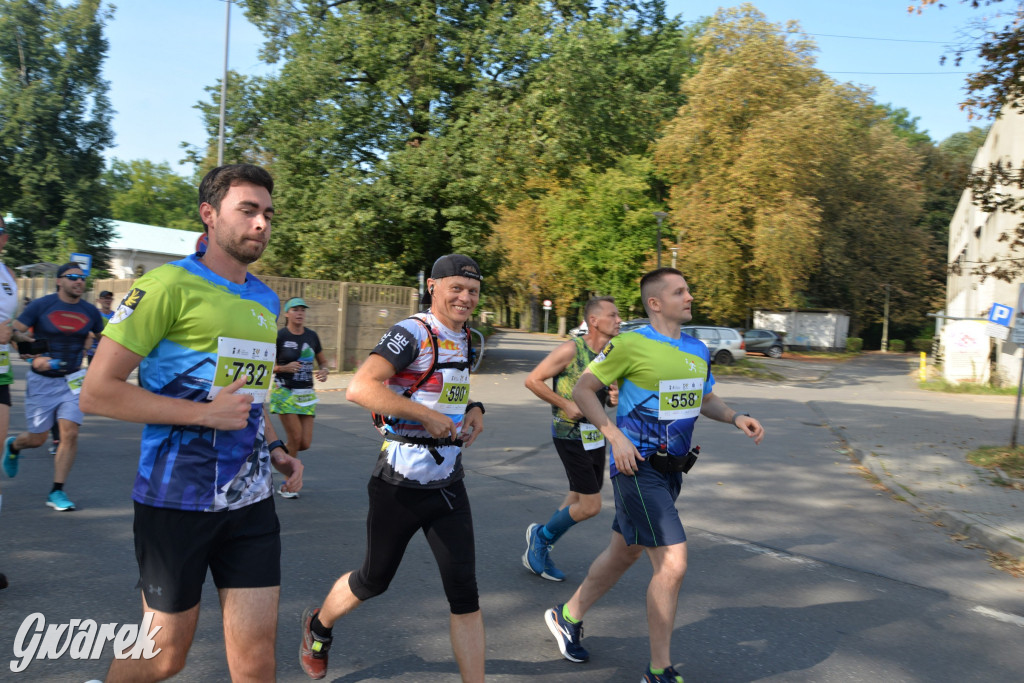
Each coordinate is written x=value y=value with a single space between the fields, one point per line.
x=725 y=344
x=579 y=331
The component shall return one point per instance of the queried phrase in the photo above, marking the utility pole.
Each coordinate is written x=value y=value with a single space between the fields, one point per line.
x=885 y=322
x=224 y=85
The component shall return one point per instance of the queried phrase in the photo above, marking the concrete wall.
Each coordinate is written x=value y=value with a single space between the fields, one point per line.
x=822 y=330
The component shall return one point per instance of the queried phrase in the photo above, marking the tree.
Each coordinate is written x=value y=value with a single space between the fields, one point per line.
x=569 y=239
x=54 y=126
x=790 y=190
x=242 y=129
x=997 y=38
x=144 y=192
x=395 y=129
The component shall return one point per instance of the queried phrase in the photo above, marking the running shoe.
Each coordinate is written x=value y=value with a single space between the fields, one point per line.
x=53 y=447
x=287 y=494
x=59 y=501
x=313 y=651
x=567 y=634
x=537 y=557
x=10 y=458
x=670 y=675
x=3 y=582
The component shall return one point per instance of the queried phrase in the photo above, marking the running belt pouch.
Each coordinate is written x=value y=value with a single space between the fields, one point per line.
x=669 y=464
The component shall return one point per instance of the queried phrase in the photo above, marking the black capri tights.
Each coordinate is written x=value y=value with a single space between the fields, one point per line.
x=395 y=514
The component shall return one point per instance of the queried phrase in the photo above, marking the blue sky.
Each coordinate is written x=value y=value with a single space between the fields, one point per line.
x=162 y=54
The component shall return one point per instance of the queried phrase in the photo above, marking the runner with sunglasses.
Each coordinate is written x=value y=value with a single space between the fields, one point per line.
x=68 y=325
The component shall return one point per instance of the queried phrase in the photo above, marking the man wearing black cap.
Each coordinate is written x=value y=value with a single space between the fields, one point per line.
x=418 y=480
x=68 y=326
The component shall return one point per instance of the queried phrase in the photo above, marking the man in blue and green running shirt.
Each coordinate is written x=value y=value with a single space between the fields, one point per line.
x=202 y=330
x=665 y=383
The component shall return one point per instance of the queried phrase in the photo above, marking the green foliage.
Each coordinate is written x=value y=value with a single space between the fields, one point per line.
x=54 y=125
x=833 y=218
x=591 y=234
x=242 y=129
x=904 y=125
x=922 y=344
x=897 y=345
x=395 y=130
x=854 y=344
x=152 y=194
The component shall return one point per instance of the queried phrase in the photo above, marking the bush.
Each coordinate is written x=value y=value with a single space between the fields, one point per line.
x=897 y=345
x=854 y=344
x=923 y=344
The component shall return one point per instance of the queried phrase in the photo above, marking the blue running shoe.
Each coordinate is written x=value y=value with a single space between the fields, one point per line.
x=670 y=675
x=59 y=501
x=10 y=458
x=567 y=634
x=537 y=557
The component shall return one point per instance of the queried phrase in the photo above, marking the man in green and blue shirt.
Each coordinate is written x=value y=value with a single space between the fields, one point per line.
x=202 y=330
x=665 y=383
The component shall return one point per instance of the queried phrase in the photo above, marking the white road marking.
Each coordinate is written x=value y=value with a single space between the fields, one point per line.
x=999 y=616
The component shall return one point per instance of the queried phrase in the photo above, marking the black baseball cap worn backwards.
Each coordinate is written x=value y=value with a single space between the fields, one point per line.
x=453 y=265
x=71 y=265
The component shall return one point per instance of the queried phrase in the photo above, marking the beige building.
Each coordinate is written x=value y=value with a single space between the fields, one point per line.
x=136 y=249
x=973 y=238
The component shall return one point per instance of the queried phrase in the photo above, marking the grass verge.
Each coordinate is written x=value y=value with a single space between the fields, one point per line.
x=966 y=388
x=1009 y=460
x=819 y=355
x=747 y=368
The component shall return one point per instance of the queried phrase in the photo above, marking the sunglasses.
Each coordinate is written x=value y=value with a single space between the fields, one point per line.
x=74 y=277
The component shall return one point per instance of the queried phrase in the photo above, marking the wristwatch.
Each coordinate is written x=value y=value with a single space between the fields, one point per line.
x=476 y=404
x=277 y=444
x=737 y=415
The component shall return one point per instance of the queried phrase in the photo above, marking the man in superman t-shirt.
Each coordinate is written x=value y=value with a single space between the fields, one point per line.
x=68 y=325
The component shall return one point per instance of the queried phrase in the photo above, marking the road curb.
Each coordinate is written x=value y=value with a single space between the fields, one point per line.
x=958 y=522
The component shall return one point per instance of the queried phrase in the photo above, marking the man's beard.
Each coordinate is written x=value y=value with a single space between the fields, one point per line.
x=236 y=253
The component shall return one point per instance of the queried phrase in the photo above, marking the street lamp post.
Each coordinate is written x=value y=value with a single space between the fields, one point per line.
x=885 y=321
x=660 y=216
x=224 y=86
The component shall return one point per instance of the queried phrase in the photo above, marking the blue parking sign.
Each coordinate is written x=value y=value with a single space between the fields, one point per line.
x=1000 y=314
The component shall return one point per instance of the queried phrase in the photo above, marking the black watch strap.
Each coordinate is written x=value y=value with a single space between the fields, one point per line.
x=476 y=404
x=277 y=444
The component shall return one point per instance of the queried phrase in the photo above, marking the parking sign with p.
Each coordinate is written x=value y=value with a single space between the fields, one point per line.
x=1000 y=314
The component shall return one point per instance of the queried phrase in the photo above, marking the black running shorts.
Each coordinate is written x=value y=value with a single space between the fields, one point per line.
x=585 y=469
x=174 y=548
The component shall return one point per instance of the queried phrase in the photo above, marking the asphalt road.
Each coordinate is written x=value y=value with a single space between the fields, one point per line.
x=800 y=570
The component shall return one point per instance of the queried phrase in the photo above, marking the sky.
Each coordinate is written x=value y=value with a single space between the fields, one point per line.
x=163 y=53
